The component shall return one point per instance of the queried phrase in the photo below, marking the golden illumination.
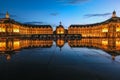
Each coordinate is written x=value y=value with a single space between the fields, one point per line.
x=105 y=30
x=2 y=29
x=8 y=57
x=118 y=29
x=118 y=43
x=2 y=46
x=60 y=42
x=104 y=42
x=7 y=15
x=108 y=28
x=60 y=30
x=16 y=30
x=16 y=44
x=25 y=29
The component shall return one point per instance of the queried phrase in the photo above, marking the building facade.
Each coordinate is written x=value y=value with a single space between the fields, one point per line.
x=60 y=29
x=108 y=28
x=10 y=27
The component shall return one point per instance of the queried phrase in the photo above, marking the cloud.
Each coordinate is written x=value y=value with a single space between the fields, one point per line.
x=34 y=23
x=3 y=15
x=97 y=15
x=76 y=1
x=54 y=14
x=72 y=2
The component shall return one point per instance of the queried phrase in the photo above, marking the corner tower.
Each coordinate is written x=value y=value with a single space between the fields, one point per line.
x=7 y=15
x=114 y=14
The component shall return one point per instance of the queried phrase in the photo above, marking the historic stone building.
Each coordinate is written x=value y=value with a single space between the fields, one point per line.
x=60 y=29
x=9 y=27
x=108 y=28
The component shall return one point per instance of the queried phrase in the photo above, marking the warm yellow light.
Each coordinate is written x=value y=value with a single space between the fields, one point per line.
x=8 y=57
x=104 y=42
x=117 y=43
x=2 y=46
x=61 y=32
x=16 y=44
x=2 y=29
x=60 y=42
x=105 y=30
x=117 y=29
x=16 y=30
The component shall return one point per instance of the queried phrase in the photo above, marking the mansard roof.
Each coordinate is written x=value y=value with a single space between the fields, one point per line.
x=60 y=26
x=12 y=21
x=8 y=20
x=113 y=19
x=36 y=26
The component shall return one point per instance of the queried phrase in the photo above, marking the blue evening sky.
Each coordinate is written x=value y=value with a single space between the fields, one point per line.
x=53 y=11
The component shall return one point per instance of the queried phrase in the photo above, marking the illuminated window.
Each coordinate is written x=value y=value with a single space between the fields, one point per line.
x=2 y=29
x=118 y=29
x=105 y=30
x=16 y=30
x=104 y=42
x=118 y=43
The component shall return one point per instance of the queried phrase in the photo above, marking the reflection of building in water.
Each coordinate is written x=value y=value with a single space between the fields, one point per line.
x=110 y=45
x=10 y=27
x=108 y=28
x=60 y=43
x=10 y=46
x=36 y=43
x=16 y=44
x=107 y=44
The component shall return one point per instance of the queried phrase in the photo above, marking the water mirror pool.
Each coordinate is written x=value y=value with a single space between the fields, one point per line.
x=84 y=59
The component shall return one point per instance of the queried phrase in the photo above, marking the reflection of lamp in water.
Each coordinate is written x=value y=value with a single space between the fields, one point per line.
x=8 y=57
x=60 y=43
